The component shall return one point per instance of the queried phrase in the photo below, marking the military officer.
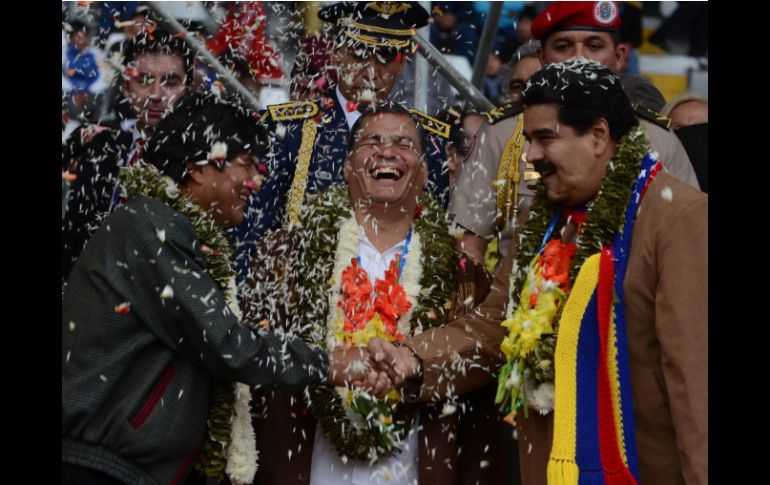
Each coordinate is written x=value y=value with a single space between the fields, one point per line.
x=373 y=41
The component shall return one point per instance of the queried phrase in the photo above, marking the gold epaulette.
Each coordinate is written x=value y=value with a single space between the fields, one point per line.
x=296 y=110
x=652 y=116
x=502 y=112
x=432 y=124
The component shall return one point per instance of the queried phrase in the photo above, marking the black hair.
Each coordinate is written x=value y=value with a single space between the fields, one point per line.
x=583 y=91
x=454 y=117
x=388 y=107
x=196 y=123
x=77 y=26
x=161 y=41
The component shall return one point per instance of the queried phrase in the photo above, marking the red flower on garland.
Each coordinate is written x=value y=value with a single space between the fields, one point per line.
x=390 y=300
x=554 y=263
x=556 y=259
x=356 y=302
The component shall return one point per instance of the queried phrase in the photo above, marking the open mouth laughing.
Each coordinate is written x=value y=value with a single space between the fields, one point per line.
x=386 y=172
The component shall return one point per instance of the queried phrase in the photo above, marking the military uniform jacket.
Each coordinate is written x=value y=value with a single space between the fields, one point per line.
x=314 y=134
x=135 y=383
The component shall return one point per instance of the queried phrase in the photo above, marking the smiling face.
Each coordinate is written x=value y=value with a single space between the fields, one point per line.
x=571 y=166
x=224 y=194
x=385 y=167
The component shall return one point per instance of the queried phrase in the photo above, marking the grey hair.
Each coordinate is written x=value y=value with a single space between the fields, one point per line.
x=683 y=98
x=522 y=52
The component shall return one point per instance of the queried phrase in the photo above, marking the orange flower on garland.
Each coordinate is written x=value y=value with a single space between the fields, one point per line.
x=356 y=303
x=391 y=301
x=389 y=304
x=555 y=263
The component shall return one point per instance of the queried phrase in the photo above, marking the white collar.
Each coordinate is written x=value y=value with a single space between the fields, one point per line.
x=388 y=253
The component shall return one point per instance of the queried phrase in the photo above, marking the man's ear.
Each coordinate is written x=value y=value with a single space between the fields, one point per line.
x=621 y=55
x=194 y=173
x=600 y=135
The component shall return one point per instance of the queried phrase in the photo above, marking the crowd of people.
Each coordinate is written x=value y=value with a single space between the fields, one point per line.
x=343 y=289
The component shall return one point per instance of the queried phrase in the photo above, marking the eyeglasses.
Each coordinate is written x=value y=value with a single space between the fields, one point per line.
x=400 y=144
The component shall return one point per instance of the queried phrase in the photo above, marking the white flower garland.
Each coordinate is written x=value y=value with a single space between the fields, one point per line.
x=347 y=250
x=242 y=454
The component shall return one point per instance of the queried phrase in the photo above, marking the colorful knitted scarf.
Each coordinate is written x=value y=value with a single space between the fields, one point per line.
x=593 y=440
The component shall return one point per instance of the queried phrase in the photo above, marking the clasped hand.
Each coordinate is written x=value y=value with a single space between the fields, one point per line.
x=378 y=368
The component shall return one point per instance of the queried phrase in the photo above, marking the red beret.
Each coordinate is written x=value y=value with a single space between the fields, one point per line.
x=599 y=16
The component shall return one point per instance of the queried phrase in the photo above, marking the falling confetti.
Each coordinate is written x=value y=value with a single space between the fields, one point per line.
x=123 y=309
x=667 y=194
x=167 y=292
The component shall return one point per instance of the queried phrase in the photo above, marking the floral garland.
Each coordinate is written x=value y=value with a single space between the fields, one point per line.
x=229 y=440
x=357 y=426
x=537 y=296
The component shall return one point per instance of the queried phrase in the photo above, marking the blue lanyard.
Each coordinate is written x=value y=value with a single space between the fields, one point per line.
x=401 y=257
x=550 y=229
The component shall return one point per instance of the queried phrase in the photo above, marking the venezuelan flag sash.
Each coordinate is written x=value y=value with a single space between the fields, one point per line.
x=593 y=440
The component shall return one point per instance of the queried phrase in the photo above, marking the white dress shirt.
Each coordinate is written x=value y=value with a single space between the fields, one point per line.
x=327 y=467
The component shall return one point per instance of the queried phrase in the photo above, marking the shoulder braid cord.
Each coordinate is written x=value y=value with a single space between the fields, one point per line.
x=299 y=184
x=508 y=192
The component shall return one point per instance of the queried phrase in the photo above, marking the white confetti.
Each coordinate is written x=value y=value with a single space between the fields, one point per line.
x=448 y=409
x=667 y=194
x=161 y=235
x=72 y=326
x=102 y=377
x=167 y=292
x=181 y=391
x=69 y=352
x=484 y=464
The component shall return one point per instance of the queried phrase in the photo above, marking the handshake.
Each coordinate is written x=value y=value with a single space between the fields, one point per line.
x=379 y=367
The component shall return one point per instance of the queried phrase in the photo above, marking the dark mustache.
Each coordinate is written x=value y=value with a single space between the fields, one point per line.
x=544 y=166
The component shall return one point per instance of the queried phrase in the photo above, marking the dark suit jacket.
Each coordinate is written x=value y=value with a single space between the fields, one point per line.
x=135 y=384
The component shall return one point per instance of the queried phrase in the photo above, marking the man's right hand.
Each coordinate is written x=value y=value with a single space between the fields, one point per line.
x=399 y=363
x=353 y=367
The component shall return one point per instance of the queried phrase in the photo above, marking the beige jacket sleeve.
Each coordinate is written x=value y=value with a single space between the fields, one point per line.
x=474 y=200
x=462 y=355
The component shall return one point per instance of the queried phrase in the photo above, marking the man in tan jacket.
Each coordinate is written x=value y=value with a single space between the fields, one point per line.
x=578 y=143
x=483 y=201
